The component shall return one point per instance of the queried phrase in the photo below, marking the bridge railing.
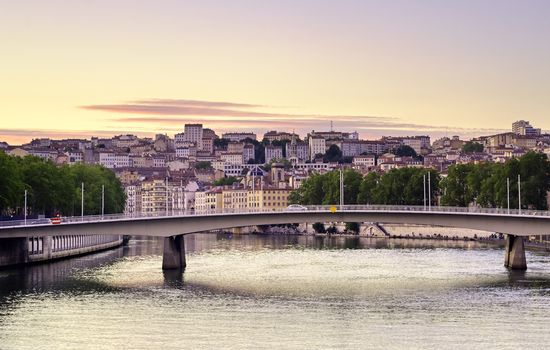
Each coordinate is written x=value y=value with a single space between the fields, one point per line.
x=310 y=208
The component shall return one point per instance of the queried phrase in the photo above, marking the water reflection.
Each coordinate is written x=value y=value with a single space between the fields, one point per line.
x=284 y=292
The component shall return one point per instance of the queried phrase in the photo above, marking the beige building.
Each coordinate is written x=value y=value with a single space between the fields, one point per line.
x=154 y=194
x=209 y=200
x=268 y=198
x=234 y=198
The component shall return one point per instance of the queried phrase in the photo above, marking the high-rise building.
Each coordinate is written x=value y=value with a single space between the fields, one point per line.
x=523 y=127
x=193 y=133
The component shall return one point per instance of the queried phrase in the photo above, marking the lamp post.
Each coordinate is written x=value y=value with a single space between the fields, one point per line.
x=341 y=188
x=424 y=180
x=508 y=193
x=166 y=195
x=25 y=212
x=429 y=192
x=82 y=201
x=519 y=193
x=102 y=200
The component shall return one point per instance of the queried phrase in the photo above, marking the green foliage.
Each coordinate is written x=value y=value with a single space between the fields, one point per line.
x=53 y=189
x=405 y=186
x=285 y=162
x=221 y=143
x=203 y=165
x=226 y=181
x=332 y=230
x=259 y=150
x=366 y=189
x=405 y=151
x=485 y=184
x=399 y=186
x=472 y=147
x=352 y=227
x=319 y=227
x=333 y=154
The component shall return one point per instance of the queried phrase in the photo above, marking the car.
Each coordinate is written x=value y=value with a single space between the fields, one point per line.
x=296 y=207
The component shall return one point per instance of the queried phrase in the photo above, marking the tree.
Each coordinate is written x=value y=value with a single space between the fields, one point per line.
x=404 y=186
x=353 y=227
x=472 y=147
x=366 y=188
x=455 y=185
x=221 y=143
x=319 y=227
x=203 y=165
x=11 y=186
x=226 y=181
x=333 y=154
x=332 y=230
x=405 y=151
x=52 y=189
x=352 y=183
x=285 y=162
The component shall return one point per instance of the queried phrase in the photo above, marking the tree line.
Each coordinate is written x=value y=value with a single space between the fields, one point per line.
x=469 y=184
x=53 y=189
x=404 y=186
x=487 y=184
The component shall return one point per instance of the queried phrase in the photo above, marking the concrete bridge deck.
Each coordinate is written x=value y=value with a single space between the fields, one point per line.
x=514 y=223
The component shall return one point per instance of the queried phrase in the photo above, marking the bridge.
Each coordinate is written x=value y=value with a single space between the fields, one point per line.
x=515 y=224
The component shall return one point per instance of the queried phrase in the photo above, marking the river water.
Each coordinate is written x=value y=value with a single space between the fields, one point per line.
x=280 y=292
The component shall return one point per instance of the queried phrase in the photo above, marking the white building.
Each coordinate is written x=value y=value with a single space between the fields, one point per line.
x=133 y=200
x=297 y=150
x=248 y=153
x=273 y=152
x=317 y=145
x=365 y=161
x=414 y=143
x=239 y=136
x=114 y=160
x=232 y=157
x=75 y=157
x=186 y=152
x=523 y=127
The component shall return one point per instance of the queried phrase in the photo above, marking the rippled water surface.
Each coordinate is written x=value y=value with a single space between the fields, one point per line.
x=274 y=292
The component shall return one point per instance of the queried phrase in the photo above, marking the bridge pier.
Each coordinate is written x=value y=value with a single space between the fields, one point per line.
x=173 y=256
x=514 y=257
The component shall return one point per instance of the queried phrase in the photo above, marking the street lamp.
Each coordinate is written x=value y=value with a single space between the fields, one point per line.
x=519 y=193
x=102 y=200
x=424 y=180
x=429 y=192
x=25 y=212
x=508 y=193
x=341 y=187
x=82 y=202
x=166 y=195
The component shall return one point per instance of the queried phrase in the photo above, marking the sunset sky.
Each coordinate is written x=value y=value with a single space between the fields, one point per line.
x=82 y=68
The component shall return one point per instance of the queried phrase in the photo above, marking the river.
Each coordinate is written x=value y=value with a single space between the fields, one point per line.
x=280 y=292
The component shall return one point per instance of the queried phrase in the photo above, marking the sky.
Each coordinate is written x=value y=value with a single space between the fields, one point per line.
x=389 y=67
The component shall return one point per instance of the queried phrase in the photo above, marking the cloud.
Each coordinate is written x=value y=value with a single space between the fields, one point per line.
x=229 y=116
x=193 y=103
x=163 y=107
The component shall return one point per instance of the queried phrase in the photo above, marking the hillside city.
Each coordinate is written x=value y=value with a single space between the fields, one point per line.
x=198 y=169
